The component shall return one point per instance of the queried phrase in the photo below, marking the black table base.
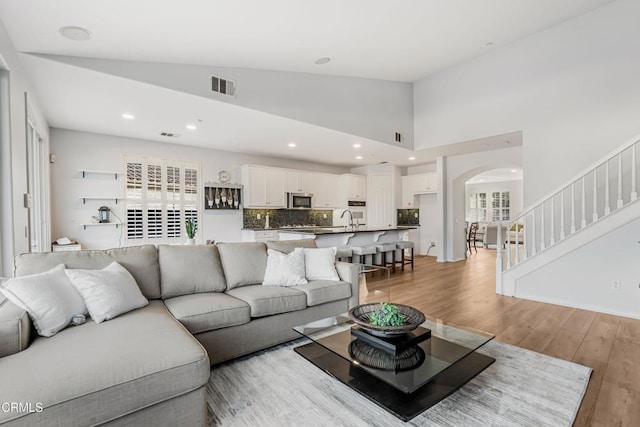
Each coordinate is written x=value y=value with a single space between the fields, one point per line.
x=402 y=405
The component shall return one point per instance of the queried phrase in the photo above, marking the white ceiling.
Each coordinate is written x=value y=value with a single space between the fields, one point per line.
x=364 y=38
x=381 y=39
x=497 y=175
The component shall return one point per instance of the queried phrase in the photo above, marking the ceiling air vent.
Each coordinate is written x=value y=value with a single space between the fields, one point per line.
x=170 y=134
x=223 y=86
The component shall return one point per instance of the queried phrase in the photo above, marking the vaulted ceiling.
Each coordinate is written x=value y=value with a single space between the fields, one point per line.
x=369 y=39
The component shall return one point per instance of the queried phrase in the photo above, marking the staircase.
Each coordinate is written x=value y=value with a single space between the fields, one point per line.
x=597 y=201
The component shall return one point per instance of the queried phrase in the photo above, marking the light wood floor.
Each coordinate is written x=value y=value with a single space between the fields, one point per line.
x=464 y=293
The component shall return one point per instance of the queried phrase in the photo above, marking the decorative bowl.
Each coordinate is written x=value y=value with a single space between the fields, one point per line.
x=369 y=356
x=361 y=315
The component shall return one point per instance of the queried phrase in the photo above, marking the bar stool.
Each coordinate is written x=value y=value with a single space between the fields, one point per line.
x=404 y=260
x=362 y=252
x=344 y=253
x=387 y=250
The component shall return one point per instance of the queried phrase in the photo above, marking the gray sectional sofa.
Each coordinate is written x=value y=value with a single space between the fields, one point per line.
x=150 y=366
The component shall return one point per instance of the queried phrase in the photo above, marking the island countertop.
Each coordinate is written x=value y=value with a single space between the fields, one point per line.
x=334 y=230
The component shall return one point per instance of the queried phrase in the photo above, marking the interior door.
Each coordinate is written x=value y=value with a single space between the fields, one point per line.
x=36 y=183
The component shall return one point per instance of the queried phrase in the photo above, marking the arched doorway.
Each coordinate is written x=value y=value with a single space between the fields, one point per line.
x=491 y=196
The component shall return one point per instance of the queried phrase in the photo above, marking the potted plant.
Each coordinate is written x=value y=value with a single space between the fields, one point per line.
x=191 y=227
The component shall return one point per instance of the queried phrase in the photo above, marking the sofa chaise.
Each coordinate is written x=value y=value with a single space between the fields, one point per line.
x=150 y=365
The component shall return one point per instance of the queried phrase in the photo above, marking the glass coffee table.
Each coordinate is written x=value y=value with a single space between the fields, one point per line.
x=405 y=381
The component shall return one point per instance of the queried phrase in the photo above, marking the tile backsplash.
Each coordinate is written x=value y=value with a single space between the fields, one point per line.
x=282 y=217
x=408 y=216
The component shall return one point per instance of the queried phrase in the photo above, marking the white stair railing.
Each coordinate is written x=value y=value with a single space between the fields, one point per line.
x=570 y=208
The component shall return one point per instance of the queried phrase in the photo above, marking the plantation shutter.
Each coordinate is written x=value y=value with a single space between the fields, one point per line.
x=160 y=196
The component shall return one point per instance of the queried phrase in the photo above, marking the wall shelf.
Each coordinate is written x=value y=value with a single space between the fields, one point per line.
x=85 y=172
x=98 y=224
x=214 y=192
x=84 y=199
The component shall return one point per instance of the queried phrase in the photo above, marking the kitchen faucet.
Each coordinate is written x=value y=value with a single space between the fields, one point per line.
x=350 y=217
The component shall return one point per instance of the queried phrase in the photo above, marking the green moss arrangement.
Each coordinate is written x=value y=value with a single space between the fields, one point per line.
x=387 y=315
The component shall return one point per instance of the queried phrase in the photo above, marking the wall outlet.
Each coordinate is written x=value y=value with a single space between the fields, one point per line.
x=615 y=285
x=433 y=244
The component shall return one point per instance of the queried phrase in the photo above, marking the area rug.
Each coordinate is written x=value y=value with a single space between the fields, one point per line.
x=278 y=387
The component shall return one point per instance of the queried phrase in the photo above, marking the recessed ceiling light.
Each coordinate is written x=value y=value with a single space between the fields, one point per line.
x=128 y=116
x=191 y=127
x=291 y=145
x=507 y=142
x=514 y=170
x=78 y=34
x=358 y=157
x=323 y=60
x=356 y=145
x=412 y=158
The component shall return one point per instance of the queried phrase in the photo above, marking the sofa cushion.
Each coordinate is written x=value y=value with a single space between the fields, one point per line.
x=208 y=311
x=284 y=269
x=244 y=263
x=15 y=328
x=267 y=300
x=188 y=269
x=109 y=292
x=287 y=246
x=320 y=264
x=322 y=291
x=140 y=261
x=97 y=372
x=49 y=298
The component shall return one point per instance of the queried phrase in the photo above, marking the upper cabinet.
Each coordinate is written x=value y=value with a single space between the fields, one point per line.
x=412 y=185
x=264 y=187
x=326 y=191
x=356 y=186
x=298 y=182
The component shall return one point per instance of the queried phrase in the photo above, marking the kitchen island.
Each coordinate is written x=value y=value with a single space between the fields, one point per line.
x=346 y=236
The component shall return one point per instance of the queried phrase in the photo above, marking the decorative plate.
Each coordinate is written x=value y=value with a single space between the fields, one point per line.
x=361 y=314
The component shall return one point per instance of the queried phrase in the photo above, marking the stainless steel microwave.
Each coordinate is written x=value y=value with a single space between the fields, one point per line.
x=299 y=200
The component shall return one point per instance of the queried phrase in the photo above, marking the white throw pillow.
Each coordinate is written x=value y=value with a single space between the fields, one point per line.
x=284 y=269
x=49 y=298
x=109 y=292
x=320 y=264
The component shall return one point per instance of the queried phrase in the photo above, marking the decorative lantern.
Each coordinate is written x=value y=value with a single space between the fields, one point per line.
x=103 y=214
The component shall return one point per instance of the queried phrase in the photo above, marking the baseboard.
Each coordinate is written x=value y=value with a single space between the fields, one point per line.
x=589 y=307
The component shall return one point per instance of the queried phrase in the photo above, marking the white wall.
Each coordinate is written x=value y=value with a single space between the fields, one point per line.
x=373 y=109
x=585 y=277
x=14 y=216
x=513 y=187
x=572 y=89
x=80 y=150
x=430 y=223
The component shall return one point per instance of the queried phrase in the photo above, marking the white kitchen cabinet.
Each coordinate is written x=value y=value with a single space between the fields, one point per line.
x=264 y=187
x=259 y=235
x=326 y=191
x=412 y=185
x=354 y=186
x=298 y=182
x=381 y=209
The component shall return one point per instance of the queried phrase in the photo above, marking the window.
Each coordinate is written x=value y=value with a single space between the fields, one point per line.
x=498 y=211
x=500 y=206
x=160 y=195
x=478 y=207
